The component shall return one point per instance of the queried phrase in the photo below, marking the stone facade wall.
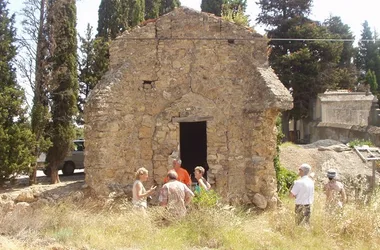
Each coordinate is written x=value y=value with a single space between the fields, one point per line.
x=345 y=133
x=350 y=108
x=345 y=116
x=183 y=65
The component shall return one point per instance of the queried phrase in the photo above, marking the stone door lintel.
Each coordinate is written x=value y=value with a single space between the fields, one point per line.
x=192 y=119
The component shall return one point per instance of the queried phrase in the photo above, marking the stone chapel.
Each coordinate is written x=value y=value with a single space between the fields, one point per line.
x=188 y=85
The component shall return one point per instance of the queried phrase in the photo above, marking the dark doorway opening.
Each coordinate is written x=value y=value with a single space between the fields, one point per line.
x=193 y=146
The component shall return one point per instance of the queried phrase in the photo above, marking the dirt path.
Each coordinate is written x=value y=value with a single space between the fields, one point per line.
x=67 y=185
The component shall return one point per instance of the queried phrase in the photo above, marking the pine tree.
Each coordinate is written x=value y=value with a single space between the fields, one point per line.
x=212 y=6
x=275 y=13
x=368 y=55
x=365 y=49
x=347 y=69
x=308 y=67
x=16 y=138
x=64 y=83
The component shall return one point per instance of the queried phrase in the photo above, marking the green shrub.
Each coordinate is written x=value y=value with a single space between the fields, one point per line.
x=285 y=178
x=205 y=198
x=359 y=142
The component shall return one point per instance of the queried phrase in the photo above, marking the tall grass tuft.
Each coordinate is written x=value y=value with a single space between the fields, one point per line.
x=87 y=225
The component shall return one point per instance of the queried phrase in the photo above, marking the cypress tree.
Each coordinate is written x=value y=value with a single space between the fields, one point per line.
x=136 y=12
x=64 y=83
x=212 y=6
x=168 y=5
x=16 y=138
x=152 y=9
x=110 y=19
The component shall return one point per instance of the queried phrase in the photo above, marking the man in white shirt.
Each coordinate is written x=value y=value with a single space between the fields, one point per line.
x=303 y=192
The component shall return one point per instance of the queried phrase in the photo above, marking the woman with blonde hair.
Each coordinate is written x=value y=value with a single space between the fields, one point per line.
x=140 y=195
x=202 y=182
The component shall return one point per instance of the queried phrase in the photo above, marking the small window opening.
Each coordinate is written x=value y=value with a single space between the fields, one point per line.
x=231 y=41
x=148 y=85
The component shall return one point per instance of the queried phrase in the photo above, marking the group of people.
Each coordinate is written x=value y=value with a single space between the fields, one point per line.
x=175 y=194
x=303 y=192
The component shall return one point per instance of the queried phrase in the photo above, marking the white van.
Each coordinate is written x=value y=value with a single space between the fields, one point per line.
x=73 y=160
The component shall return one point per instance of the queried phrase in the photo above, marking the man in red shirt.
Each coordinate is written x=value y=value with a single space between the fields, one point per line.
x=183 y=175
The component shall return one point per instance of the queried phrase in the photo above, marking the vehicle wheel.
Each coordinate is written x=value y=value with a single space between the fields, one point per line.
x=47 y=171
x=68 y=168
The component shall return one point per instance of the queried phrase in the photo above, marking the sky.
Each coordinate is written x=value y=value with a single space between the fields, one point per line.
x=352 y=12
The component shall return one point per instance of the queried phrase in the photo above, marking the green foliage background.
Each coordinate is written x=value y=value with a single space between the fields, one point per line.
x=285 y=177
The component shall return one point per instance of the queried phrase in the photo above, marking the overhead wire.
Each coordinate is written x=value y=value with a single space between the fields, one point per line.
x=234 y=38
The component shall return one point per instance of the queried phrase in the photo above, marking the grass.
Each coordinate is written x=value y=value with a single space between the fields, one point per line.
x=288 y=144
x=87 y=225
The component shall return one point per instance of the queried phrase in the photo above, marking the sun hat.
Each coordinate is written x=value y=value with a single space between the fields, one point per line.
x=331 y=173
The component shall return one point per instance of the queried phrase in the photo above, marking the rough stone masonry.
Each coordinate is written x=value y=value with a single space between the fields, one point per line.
x=187 y=68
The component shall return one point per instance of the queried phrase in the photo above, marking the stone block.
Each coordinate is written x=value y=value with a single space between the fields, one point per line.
x=260 y=201
x=145 y=132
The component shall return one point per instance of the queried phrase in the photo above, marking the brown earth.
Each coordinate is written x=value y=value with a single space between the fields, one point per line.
x=322 y=157
x=68 y=184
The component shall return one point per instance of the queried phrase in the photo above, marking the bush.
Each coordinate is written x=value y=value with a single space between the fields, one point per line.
x=359 y=142
x=206 y=198
x=285 y=178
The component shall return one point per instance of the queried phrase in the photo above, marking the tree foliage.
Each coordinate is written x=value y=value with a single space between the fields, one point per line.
x=212 y=6
x=136 y=11
x=114 y=17
x=92 y=64
x=234 y=11
x=275 y=13
x=152 y=9
x=368 y=55
x=370 y=78
x=64 y=83
x=309 y=64
x=16 y=138
x=110 y=19
x=235 y=5
x=35 y=68
x=168 y=5
x=285 y=178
